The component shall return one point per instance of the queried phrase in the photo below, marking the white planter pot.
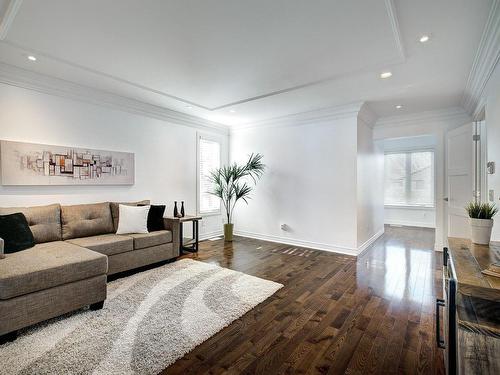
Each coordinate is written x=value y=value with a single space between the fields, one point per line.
x=481 y=230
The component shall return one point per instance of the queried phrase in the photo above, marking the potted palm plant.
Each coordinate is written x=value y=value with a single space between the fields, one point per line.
x=232 y=183
x=481 y=221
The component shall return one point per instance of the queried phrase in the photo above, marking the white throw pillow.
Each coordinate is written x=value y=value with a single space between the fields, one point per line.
x=132 y=219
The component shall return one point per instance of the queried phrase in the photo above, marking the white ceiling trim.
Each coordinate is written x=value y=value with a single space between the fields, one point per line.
x=486 y=59
x=449 y=114
x=46 y=56
x=396 y=31
x=479 y=111
x=8 y=17
x=393 y=19
x=367 y=115
x=26 y=79
x=306 y=118
x=391 y=12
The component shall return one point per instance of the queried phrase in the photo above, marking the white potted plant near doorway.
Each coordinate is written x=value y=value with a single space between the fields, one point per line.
x=481 y=221
x=230 y=185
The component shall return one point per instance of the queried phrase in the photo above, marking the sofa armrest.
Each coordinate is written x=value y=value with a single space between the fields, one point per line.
x=173 y=224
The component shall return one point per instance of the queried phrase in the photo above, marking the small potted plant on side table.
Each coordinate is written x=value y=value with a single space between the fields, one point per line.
x=481 y=221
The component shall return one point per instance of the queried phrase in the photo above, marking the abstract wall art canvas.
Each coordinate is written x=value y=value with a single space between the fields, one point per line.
x=39 y=164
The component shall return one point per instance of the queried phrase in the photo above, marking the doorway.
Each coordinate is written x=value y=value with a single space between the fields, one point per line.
x=465 y=175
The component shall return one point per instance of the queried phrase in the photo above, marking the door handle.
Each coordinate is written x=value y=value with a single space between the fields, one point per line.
x=446 y=199
x=439 y=340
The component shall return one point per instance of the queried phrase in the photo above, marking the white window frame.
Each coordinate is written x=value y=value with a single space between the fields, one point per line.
x=411 y=151
x=212 y=138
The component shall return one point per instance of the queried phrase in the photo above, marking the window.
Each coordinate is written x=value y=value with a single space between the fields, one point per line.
x=208 y=160
x=409 y=179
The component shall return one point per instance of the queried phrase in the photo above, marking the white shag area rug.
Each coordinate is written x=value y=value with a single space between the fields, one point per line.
x=149 y=320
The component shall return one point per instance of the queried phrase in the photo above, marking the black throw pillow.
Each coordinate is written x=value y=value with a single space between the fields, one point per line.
x=16 y=233
x=155 y=218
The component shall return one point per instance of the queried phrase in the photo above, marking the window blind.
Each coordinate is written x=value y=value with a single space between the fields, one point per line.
x=209 y=159
x=409 y=179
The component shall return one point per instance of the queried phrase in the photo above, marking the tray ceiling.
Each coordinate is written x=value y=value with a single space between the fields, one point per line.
x=258 y=58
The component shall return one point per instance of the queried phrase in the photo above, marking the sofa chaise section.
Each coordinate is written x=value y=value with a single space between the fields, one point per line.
x=76 y=248
x=50 y=279
x=48 y=265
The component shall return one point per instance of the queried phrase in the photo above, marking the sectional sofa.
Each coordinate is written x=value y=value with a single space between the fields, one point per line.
x=76 y=248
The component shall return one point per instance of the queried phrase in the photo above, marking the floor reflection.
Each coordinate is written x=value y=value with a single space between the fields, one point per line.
x=228 y=255
x=335 y=314
x=400 y=267
x=225 y=259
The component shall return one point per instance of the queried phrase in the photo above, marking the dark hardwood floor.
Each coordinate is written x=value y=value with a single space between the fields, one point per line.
x=336 y=314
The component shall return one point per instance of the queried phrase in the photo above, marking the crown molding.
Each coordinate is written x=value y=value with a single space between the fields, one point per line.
x=367 y=115
x=396 y=31
x=8 y=18
x=485 y=61
x=46 y=56
x=306 y=118
x=479 y=111
x=398 y=41
x=374 y=67
x=15 y=76
x=14 y=5
x=442 y=115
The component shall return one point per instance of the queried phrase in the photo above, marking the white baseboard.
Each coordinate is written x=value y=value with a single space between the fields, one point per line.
x=301 y=243
x=369 y=242
x=208 y=235
x=405 y=223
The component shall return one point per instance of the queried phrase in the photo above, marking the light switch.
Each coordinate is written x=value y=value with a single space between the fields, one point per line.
x=490 y=167
x=491 y=195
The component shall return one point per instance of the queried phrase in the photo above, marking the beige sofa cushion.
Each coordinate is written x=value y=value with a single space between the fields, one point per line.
x=108 y=244
x=84 y=220
x=143 y=240
x=115 y=211
x=141 y=257
x=44 y=221
x=48 y=265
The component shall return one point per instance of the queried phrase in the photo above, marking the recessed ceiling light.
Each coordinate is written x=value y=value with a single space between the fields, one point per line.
x=31 y=58
x=232 y=110
x=424 y=38
x=385 y=75
x=399 y=106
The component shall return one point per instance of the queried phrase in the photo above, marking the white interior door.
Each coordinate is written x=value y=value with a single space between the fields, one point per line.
x=460 y=179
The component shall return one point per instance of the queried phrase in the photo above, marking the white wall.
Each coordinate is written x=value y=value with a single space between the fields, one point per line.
x=309 y=185
x=370 y=183
x=324 y=181
x=436 y=124
x=492 y=120
x=165 y=153
x=410 y=216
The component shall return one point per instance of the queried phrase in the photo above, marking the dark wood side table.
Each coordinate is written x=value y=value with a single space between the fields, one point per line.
x=187 y=244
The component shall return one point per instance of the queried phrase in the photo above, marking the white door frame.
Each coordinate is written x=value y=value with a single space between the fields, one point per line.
x=467 y=169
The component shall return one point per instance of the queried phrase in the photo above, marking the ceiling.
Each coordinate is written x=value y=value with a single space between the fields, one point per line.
x=236 y=62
